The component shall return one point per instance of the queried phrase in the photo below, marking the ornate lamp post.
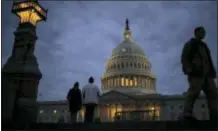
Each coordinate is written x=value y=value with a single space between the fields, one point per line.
x=21 y=68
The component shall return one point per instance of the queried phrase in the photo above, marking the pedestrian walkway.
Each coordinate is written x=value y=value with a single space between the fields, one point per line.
x=111 y=126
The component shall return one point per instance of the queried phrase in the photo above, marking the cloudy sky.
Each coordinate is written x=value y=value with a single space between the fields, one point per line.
x=78 y=37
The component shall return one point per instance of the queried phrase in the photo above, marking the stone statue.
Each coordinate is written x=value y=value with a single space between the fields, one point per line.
x=198 y=66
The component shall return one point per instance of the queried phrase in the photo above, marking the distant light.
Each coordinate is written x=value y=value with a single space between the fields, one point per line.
x=41 y=111
x=55 y=111
x=152 y=108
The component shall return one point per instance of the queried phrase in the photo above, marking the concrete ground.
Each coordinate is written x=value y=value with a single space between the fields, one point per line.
x=133 y=126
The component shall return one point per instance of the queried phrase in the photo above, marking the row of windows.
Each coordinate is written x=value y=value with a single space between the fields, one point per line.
x=129 y=82
x=129 y=57
x=181 y=107
x=63 y=110
x=54 y=111
x=128 y=64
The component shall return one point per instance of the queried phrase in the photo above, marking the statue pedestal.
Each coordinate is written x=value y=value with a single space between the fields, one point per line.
x=8 y=98
x=28 y=110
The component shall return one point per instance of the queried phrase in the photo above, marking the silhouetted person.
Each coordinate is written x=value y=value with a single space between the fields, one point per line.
x=74 y=97
x=91 y=95
x=198 y=66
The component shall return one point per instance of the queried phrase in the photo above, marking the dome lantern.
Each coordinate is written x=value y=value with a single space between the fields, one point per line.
x=127 y=31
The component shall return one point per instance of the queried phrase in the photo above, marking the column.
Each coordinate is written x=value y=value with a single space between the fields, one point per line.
x=102 y=83
x=151 y=111
x=96 y=113
x=106 y=82
x=136 y=81
x=128 y=80
x=108 y=112
x=115 y=81
x=124 y=77
x=112 y=82
x=146 y=82
x=118 y=82
x=149 y=83
x=109 y=83
x=152 y=84
x=157 y=111
x=139 y=81
x=164 y=113
x=142 y=79
x=143 y=82
x=124 y=81
x=132 y=81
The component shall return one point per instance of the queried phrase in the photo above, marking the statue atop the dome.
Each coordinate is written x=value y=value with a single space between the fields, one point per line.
x=127 y=24
x=127 y=32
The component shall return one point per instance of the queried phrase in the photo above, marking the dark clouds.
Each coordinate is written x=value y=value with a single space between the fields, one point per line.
x=78 y=38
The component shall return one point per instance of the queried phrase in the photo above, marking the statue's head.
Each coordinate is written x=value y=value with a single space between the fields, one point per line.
x=200 y=32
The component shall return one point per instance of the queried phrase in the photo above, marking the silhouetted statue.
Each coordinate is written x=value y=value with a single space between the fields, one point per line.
x=198 y=66
x=74 y=98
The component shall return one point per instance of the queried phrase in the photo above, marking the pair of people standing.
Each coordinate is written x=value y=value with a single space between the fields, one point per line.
x=88 y=97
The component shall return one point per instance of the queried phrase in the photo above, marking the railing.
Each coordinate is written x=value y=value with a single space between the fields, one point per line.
x=136 y=115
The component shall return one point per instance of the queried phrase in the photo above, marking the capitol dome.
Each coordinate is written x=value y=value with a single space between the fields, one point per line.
x=128 y=46
x=128 y=70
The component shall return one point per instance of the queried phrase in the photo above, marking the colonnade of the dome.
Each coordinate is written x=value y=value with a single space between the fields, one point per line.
x=120 y=63
x=129 y=81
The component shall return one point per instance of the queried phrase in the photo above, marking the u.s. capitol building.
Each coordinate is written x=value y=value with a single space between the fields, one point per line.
x=128 y=90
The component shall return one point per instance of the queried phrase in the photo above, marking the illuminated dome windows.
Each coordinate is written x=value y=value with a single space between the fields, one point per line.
x=123 y=64
x=128 y=82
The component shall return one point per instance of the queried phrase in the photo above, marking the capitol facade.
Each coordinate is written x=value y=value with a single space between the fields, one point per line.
x=128 y=91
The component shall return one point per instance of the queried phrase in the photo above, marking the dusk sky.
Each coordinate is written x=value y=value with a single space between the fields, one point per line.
x=78 y=37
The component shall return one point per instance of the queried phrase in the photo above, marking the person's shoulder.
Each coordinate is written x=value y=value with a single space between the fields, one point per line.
x=84 y=87
x=204 y=43
x=71 y=89
x=87 y=86
x=96 y=87
x=191 y=41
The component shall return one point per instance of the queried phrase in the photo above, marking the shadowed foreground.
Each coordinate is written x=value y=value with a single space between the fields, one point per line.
x=160 y=125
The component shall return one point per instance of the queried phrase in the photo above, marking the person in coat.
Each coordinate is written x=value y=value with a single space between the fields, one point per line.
x=74 y=98
x=198 y=66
